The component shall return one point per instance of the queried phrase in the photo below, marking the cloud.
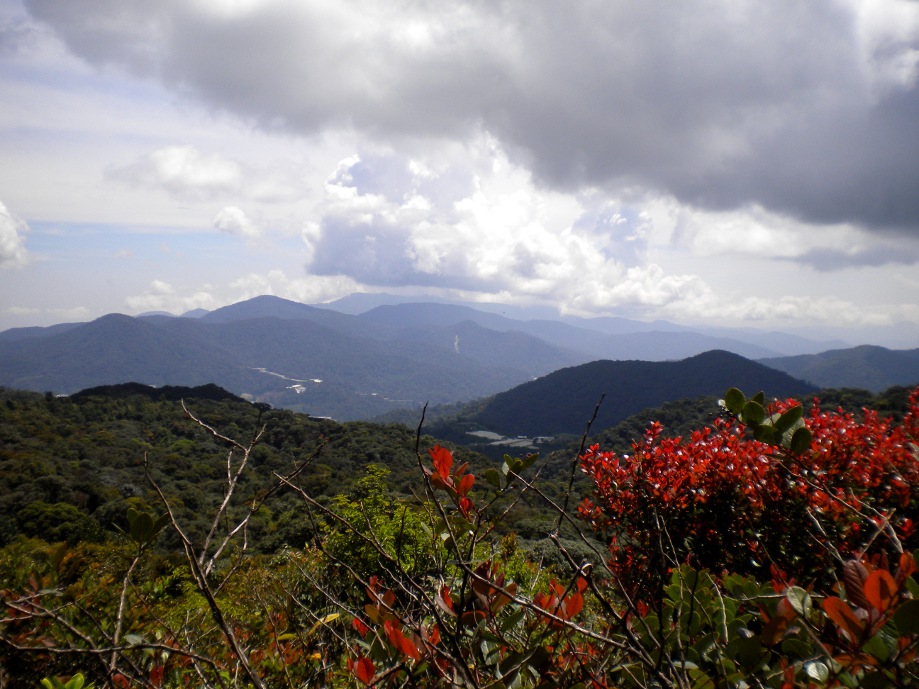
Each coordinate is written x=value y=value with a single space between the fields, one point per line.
x=390 y=222
x=789 y=310
x=163 y=296
x=16 y=35
x=308 y=289
x=233 y=220
x=73 y=314
x=806 y=109
x=754 y=231
x=23 y=310
x=13 y=252
x=183 y=172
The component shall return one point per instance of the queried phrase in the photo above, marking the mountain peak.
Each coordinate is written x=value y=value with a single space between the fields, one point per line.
x=264 y=306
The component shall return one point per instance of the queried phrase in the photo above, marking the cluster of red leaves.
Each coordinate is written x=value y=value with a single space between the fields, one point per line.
x=405 y=643
x=873 y=595
x=856 y=632
x=723 y=500
x=560 y=603
x=456 y=482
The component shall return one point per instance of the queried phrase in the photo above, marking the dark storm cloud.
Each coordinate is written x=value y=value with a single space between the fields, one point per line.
x=804 y=108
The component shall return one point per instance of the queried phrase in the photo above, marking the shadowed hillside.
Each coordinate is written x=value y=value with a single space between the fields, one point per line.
x=563 y=401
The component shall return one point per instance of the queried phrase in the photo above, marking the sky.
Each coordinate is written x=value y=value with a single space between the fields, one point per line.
x=715 y=162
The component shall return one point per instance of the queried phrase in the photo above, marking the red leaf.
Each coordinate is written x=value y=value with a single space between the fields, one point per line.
x=839 y=611
x=465 y=484
x=907 y=567
x=445 y=601
x=360 y=627
x=399 y=641
x=432 y=635
x=880 y=590
x=854 y=576
x=363 y=669
x=574 y=605
x=773 y=630
x=443 y=461
x=408 y=647
x=156 y=675
x=473 y=617
x=389 y=598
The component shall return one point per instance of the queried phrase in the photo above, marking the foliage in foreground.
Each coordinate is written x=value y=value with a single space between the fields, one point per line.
x=771 y=551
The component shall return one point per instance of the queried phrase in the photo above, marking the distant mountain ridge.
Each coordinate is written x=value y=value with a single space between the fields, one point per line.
x=330 y=363
x=867 y=367
x=282 y=352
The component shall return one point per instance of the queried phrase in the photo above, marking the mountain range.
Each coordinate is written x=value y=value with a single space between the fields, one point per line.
x=330 y=362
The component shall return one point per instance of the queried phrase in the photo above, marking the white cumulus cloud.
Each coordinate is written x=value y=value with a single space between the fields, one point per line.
x=233 y=220
x=184 y=172
x=13 y=250
x=163 y=296
x=481 y=224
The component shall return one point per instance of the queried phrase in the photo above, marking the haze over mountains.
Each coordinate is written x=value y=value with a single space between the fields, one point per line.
x=392 y=355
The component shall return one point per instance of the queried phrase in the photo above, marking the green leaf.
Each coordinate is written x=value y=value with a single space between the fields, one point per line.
x=817 y=670
x=734 y=401
x=760 y=398
x=877 y=647
x=685 y=664
x=800 y=600
x=160 y=523
x=142 y=528
x=753 y=413
x=512 y=620
x=875 y=680
x=747 y=651
x=766 y=434
x=700 y=680
x=789 y=419
x=796 y=648
x=801 y=441
x=907 y=617
x=493 y=476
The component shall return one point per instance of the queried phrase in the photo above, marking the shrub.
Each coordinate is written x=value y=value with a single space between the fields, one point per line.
x=738 y=497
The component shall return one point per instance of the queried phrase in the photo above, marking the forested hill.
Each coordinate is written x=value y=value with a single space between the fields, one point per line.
x=563 y=401
x=171 y=393
x=868 y=367
x=70 y=467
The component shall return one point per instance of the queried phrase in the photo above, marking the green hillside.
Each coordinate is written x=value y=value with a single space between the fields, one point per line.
x=70 y=467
